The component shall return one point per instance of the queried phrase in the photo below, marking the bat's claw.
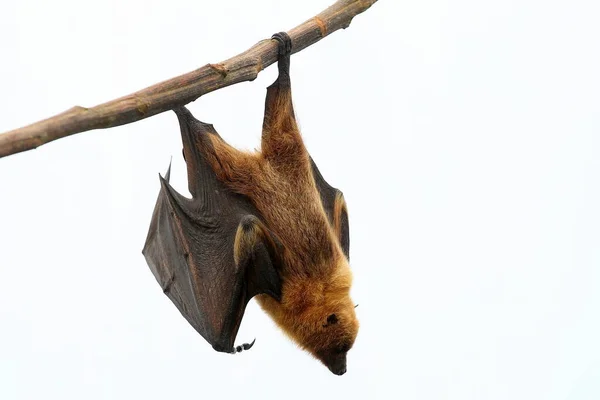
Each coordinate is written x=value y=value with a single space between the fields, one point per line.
x=283 y=59
x=285 y=43
x=245 y=346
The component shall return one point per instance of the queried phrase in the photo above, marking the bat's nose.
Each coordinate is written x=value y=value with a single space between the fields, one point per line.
x=341 y=370
x=334 y=361
x=338 y=365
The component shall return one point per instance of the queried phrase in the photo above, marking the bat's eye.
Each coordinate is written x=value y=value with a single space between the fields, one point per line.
x=332 y=319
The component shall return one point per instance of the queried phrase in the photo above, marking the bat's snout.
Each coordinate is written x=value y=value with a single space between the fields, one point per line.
x=340 y=370
x=336 y=363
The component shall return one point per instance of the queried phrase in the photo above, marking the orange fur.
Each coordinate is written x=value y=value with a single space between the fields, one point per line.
x=339 y=207
x=316 y=276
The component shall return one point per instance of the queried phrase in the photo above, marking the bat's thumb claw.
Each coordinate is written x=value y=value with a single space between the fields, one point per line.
x=248 y=346
x=245 y=346
x=168 y=174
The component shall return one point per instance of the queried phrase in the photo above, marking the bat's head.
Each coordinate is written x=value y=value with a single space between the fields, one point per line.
x=331 y=346
x=319 y=315
x=334 y=323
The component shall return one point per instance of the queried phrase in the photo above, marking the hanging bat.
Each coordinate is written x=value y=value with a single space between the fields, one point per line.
x=262 y=224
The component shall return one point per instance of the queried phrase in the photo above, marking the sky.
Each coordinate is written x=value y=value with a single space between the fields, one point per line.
x=464 y=135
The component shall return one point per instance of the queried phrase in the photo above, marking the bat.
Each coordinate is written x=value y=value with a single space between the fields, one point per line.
x=264 y=224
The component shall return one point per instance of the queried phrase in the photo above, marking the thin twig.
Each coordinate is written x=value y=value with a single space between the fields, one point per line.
x=180 y=90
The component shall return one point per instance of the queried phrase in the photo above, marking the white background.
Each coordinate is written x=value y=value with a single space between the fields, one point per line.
x=464 y=134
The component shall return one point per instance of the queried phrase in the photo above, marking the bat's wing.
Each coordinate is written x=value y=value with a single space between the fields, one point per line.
x=210 y=254
x=335 y=208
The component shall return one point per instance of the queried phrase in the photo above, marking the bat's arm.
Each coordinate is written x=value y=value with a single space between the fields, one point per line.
x=256 y=258
x=256 y=251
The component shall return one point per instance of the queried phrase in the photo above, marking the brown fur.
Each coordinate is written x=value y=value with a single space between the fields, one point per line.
x=315 y=274
x=247 y=236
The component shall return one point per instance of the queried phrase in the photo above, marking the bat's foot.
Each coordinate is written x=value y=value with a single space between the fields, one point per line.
x=283 y=56
x=245 y=346
x=285 y=43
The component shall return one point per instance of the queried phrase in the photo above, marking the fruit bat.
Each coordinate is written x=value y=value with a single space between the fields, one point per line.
x=262 y=224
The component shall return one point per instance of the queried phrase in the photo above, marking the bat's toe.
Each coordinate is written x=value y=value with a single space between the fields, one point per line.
x=285 y=43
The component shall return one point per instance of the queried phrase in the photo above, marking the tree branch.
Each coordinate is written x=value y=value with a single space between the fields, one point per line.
x=183 y=89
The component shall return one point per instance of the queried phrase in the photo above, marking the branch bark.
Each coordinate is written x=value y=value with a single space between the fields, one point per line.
x=183 y=89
